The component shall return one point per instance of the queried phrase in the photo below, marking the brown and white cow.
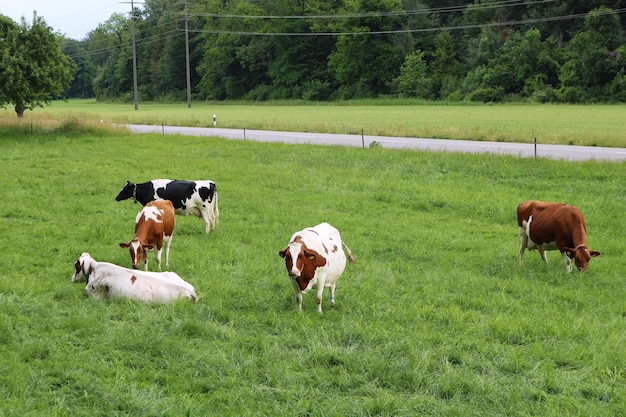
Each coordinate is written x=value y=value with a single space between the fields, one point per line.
x=315 y=256
x=154 y=226
x=551 y=226
x=106 y=280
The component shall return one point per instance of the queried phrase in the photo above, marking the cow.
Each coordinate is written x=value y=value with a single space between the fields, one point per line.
x=154 y=226
x=107 y=280
x=198 y=198
x=551 y=226
x=315 y=256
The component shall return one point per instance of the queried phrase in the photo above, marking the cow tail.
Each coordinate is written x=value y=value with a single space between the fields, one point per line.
x=349 y=252
x=217 y=210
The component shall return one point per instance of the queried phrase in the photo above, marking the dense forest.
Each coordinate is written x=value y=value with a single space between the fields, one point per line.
x=571 y=51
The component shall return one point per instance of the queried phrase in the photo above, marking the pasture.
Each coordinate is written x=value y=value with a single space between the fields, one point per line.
x=590 y=125
x=436 y=318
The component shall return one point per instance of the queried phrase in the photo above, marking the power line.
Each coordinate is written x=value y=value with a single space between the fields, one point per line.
x=448 y=9
x=396 y=31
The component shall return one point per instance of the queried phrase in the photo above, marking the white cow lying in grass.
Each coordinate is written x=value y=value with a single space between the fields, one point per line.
x=106 y=280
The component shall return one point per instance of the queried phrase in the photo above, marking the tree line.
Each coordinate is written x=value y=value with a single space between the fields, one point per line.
x=571 y=51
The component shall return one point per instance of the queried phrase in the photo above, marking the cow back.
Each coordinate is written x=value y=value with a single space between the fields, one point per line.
x=113 y=281
x=177 y=191
x=553 y=222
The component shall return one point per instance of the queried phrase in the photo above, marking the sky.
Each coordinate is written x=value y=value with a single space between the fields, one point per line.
x=73 y=18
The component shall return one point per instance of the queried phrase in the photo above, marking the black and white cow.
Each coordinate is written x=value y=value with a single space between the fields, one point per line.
x=198 y=198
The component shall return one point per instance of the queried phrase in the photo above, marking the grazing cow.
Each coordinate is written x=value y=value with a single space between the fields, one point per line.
x=198 y=198
x=315 y=256
x=154 y=226
x=551 y=226
x=106 y=280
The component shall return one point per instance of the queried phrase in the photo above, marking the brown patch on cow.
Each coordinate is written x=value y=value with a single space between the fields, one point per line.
x=133 y=279
x=307 y=262
x=335 y=248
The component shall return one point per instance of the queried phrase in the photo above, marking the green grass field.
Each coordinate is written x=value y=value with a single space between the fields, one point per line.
x=436 y=318
x=593 y=125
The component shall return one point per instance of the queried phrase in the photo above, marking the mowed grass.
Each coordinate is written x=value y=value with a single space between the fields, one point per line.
x=436 y=318
x=591 y=125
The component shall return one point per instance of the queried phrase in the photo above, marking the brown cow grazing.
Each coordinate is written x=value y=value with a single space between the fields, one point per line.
x=551 y=226
x=154 y=226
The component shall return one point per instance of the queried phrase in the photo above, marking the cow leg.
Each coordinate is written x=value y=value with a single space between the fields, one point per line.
x=215 y=212
x=542 y=252
x=523 y=240
x=206 y=216
x=157 y=255
x=298 y=293
x=332 y=294
x=168 y=242
x=568 y=261
x=320 y=293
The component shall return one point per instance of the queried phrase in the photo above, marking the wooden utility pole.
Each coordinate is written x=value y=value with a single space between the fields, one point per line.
x=132 y=20
x=187 y=57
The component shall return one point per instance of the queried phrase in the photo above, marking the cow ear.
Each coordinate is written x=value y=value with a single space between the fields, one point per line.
x=147 y=247
x=124 y=245
x=570 y=252
x=310 y=255
x=282 y=253
x=594 y=253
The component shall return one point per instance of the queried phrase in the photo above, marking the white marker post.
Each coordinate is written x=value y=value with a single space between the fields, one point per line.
x=214 y=120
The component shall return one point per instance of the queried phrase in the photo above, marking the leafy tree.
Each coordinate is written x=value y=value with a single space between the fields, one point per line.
x=82 y=84
x=591 y=62
x=366 y=64
x=33 y=67
x=413 y=80
x=234 y=65
x=444 y=65
x=108 y=41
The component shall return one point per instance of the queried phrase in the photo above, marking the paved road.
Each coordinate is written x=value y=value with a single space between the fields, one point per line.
x=565 y=152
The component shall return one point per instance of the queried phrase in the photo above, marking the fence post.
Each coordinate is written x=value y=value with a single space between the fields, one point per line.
x=535 y=148
x=362 y=139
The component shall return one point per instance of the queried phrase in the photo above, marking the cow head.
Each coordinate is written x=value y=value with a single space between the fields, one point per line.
x=581 y=256
x=301 y=262
x=127 y=192
x=137 y=252
x=83 y=267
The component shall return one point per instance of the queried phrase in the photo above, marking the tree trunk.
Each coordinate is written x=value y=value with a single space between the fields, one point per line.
x=19 y=109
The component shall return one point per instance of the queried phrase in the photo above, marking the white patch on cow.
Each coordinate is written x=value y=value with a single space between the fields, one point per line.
x=150 y=213
x=159 y=183
x=135 y=245
x=527 y=243
x=294 y=251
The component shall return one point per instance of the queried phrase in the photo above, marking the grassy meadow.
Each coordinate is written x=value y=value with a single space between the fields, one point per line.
x=591 y=125
x=436 y=318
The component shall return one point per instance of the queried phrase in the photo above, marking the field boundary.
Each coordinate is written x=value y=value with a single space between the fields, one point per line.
x=523 y=150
